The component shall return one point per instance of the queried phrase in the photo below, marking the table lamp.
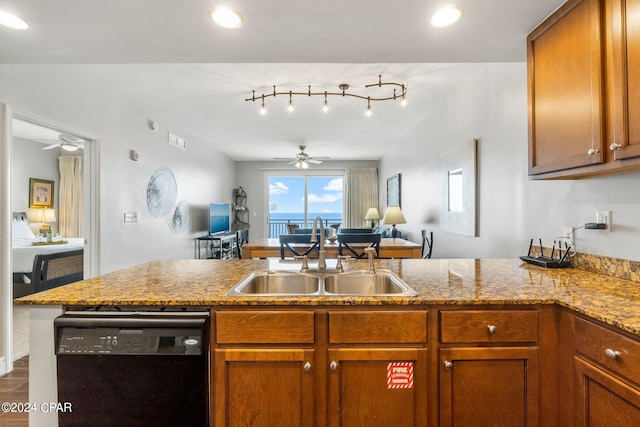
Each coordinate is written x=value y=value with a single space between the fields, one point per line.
x=394 y=216
x=44 y=216
x=372 y=214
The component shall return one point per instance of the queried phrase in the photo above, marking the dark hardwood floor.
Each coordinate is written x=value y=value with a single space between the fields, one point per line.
x=14 y=388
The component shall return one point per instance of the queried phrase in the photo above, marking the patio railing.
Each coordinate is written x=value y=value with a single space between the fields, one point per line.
x=279 y=226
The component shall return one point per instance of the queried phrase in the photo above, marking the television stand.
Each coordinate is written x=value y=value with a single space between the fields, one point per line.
x=222 y=245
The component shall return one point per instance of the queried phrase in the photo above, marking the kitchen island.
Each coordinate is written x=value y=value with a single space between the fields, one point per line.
x=534 y=311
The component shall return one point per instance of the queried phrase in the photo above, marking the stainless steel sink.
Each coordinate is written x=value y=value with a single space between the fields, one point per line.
x=382 y=282
x=272 y=282
x=321 y=282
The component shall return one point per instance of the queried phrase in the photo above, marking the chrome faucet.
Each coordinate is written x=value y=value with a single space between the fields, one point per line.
x=371 y=252
x=322 y=264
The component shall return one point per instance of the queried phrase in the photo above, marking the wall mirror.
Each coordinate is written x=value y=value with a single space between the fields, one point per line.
x=458 y=189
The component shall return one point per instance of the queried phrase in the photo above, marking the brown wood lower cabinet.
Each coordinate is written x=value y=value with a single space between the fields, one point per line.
x=394 y=366
x=489 y=386
x=260 y=387
x=602 y=400
x=377 y=387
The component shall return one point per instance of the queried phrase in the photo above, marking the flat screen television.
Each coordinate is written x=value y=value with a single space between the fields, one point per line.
x=219 y=218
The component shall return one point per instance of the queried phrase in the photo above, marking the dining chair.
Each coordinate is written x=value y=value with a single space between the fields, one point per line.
x=291 y=228
x=287 y=240
x=355 y=244
x=427 y=244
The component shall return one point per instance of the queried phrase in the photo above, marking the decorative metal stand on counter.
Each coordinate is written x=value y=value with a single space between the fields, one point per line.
x=562 y=261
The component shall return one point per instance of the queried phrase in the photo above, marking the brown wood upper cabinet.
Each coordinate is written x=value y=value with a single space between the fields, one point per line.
x=584 y=109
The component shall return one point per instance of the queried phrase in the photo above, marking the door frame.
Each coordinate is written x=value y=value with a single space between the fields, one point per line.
x=91 y=218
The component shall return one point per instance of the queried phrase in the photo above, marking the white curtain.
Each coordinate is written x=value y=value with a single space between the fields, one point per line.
x=71 y=206
x=361 y=193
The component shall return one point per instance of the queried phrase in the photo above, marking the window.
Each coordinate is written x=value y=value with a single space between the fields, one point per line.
x=298 y=199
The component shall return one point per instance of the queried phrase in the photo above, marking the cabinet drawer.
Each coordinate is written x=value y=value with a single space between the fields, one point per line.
x=268 y=327
x=479 y=326
x=608 y=348
x=400 y=327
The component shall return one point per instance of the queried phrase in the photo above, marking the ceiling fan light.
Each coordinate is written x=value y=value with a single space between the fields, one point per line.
x=12 y=21
x=445 y=16
x=227 y=18
x=69 y=147
x=305 y=165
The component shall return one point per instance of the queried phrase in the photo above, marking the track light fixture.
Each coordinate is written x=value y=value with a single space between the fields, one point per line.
x=401 y=95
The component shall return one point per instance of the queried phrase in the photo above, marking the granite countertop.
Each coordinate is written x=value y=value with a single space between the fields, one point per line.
x=438 y=282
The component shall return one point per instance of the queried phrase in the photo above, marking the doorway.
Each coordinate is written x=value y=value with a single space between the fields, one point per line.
x=32 y=147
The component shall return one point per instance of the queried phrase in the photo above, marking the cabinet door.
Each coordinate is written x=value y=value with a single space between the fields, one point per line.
x=263 y=388
x=602 y=400
x=565 y=89
x=377 y=388
x=489 y=387
x=623 y=65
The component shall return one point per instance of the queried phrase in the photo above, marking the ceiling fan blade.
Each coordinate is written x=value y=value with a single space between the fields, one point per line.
x=324 y=159
x=51 y=147
x=282 y=158
x=314 y=161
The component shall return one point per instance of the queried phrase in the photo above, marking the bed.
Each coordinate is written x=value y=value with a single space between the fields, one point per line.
x=37 y=268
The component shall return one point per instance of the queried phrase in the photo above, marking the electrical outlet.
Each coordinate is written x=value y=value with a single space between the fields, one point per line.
x=604 y=217
x=130 y=217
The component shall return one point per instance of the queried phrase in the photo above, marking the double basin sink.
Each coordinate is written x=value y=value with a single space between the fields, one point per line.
x=321 y=282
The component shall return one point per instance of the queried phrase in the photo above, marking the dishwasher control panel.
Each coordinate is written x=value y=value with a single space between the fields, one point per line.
x=127 y=336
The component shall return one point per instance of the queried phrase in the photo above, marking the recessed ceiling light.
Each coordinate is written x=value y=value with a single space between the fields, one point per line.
x=227 y=18
x=445 y=16
x=12 y=21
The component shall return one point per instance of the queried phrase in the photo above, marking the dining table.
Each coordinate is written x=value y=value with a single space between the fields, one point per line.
x=389 y=248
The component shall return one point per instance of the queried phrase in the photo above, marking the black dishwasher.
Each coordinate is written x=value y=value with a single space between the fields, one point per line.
x=133 y=368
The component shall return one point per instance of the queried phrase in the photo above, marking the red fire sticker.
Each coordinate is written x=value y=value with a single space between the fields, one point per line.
x=400 y=375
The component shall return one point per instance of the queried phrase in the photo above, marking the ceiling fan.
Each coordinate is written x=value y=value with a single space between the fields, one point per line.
x=67 y=143
x=302 y=159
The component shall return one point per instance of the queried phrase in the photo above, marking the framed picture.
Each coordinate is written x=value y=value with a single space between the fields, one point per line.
x=40 y=193
x=393 y=190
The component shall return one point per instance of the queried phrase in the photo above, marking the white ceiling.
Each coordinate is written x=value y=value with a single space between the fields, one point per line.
x=168 y=57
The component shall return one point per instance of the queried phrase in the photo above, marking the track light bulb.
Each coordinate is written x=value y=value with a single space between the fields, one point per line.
x=368 y=113
x=290 y=106
x=403 y=103
x=325 y=107
x=263 y=110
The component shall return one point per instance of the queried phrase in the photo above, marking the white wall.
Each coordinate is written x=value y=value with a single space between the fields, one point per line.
x=491 y=105
x=64 y=94
x=251 y=176
x=30 y=161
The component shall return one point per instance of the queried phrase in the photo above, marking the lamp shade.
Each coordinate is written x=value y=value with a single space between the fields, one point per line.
x=43 y=215
x=49 y=215
x=393 y=215
x=372 y=213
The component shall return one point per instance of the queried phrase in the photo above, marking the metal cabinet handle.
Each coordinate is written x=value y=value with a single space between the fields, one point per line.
x=492 y=329
x=612 y=354
x=593 y=151
x=615 y=146
x=333 y=366
x=448 y=364
x=307 y=367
